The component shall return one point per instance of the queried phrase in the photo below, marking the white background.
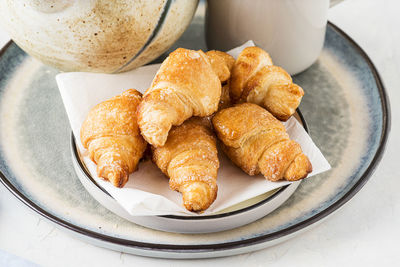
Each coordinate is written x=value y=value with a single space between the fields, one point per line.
x=365 y=232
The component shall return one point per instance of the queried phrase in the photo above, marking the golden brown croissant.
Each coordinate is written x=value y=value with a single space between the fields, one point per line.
x=184 y=86
x=221 y=63
x=255 y=80
x=111 y=134
x=249 y=62
x=189 y=158
x=257 y=142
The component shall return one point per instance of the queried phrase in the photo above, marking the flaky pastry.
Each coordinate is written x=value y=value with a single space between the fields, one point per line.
x=184 y=86
x=255 y=80
x=189 y=158
x=257 y=142
x=111 y=134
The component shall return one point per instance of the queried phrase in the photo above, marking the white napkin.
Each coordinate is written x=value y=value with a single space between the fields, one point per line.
x=147 y=191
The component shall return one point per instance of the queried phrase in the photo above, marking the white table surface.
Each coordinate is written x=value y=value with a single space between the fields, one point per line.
x=365 y=232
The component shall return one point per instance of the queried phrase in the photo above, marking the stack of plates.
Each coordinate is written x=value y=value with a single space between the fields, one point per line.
x=346 y=109
x=236 y=216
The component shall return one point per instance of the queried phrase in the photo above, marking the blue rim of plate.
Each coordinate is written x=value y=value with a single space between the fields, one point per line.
x=245 y=242
x=88 y=176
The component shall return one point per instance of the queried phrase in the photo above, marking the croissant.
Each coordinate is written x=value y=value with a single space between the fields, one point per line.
x=255 y=80
x=111 y=134
x=189 y=158
x=257 y=142
x=184 y=86
x=248 y=63
x=222 y=64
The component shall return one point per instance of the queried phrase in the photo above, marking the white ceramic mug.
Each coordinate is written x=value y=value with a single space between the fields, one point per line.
x=291 y=31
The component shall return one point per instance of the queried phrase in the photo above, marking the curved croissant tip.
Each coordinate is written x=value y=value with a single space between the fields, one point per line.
x=299 y=169
x=195 y=202
x=197 y=196
x=118 y=177
x=118 y=180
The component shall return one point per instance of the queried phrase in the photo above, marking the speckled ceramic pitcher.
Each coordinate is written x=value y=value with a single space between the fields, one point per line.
x=96 y=35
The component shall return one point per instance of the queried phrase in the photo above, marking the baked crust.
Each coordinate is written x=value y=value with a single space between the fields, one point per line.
x=111 y=134
x=189 y=158
x=254 y=79
x=184 y=86
x=257 y=142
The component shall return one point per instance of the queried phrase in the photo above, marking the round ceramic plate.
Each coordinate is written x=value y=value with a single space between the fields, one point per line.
x=345 y=107
x=238 y=215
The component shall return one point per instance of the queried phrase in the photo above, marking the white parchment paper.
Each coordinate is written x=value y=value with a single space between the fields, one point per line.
x=147 y=191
